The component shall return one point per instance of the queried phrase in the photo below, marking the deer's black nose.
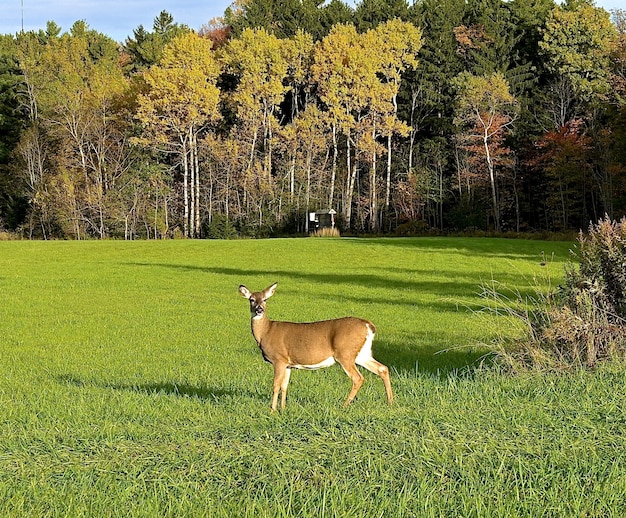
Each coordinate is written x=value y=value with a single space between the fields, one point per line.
x=259 y=310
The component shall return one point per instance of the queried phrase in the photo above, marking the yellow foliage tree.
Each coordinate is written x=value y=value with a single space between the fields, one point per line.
x=180 y=102
x=399 y=43
x=73 y=95
x=258 y=61
x=359 y=89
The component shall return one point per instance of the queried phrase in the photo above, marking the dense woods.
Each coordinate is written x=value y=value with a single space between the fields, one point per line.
x=443 y=115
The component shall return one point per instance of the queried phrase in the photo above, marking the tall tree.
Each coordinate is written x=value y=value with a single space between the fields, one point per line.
x=72 y=83
x=299 y=55
x=399 y=43
x=180 y=102
x=486 y=109
x=344 y=72
x=562 y=166
x=259 y=63
x=146 y=48
x=428 y=97
x=370 y=13
x=359 y=90
x=577 y=43
x=12 y=121
x=618 y=79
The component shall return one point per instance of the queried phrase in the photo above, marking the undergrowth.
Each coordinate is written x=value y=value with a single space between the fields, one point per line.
x=326 y=232
x=578 y=323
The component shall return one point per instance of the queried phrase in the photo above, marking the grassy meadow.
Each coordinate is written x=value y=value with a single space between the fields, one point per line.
x=130 y=385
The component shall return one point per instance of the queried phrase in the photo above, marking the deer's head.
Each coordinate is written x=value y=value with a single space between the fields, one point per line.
x=257 y=299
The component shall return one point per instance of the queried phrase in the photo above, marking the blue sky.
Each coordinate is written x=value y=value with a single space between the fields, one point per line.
x=115 y=18
x=118 y=18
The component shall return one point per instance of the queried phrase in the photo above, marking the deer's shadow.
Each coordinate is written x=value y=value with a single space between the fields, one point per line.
x=167 y=388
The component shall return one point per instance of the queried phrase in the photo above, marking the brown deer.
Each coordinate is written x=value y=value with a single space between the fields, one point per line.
x=312 y=345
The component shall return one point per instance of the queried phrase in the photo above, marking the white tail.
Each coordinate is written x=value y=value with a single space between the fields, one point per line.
x=312 y=345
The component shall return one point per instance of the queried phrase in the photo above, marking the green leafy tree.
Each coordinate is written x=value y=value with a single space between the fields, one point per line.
x=282 y=18
x=488 y=43
x=334 y=13
x=427 y=99
x=577 y=43
x=528 y=18
x=12 y=122
x=71 y=151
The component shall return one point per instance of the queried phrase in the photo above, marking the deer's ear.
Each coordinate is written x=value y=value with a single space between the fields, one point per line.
x=245 y=292
x=269 y=291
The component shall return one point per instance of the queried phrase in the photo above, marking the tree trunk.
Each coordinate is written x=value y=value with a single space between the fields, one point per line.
x=308 y=191
x=492 y=179
x=373 y=200
x=413 y=131
x=333 y=174
x=192 y=183
x=350 y=178
x=388 y=189
x=197 y=186
x=185 y=158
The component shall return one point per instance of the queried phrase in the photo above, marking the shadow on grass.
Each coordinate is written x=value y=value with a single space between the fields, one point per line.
x=446 y=289
x=527 y=249
x=163 y=388
x=433 y=359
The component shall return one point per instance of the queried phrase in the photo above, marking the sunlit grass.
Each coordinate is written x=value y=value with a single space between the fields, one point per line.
x=130 y=386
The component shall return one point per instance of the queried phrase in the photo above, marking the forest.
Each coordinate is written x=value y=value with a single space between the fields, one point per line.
x=440 y=116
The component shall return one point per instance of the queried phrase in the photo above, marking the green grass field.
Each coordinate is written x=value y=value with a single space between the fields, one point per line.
x=130 y=385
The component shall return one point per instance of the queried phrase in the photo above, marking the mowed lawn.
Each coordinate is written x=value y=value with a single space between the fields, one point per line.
x=130 y=385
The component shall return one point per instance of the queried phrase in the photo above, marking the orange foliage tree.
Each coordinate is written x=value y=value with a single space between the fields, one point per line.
x=485 y=112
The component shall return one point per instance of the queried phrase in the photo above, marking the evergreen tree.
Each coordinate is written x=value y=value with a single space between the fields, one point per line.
x=146 y=48
x=12 y=121
x=333 y=13
x=428 y=98
x=279 y=17
x=283 y=18
x=369 y=13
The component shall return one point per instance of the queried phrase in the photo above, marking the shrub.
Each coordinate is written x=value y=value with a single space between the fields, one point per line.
x=326 y=232
x=584 y=321
x=591 y=320
x=220 y=227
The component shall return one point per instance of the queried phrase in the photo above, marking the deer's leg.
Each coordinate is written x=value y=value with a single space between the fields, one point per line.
x=380 y=370
x=280 y=373
x=283 y=388
x=355 y=376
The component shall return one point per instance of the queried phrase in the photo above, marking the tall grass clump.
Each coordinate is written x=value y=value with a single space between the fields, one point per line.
x=326 y=232
x=583 y=321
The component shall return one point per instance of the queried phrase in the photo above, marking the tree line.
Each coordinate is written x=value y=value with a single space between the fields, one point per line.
x=443 y=115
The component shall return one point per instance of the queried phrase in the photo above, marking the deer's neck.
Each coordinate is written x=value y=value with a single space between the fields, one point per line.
x=260 y=326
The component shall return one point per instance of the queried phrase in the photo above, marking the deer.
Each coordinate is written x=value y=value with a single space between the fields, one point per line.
x=313 y=345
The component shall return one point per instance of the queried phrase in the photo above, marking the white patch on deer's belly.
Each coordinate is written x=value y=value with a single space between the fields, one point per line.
x=326 y=363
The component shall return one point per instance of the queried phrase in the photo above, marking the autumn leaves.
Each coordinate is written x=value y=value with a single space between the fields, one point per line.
x=356 y=88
